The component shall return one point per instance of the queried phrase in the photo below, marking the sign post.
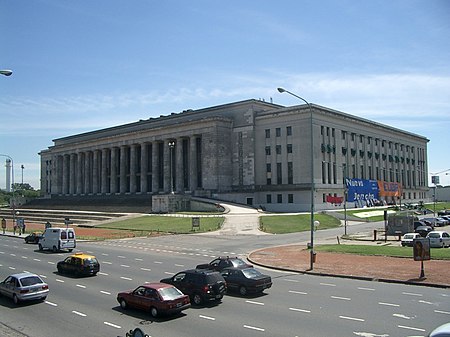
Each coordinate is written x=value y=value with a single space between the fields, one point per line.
x=421 y=251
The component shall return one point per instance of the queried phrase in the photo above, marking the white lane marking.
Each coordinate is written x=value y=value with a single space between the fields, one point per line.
x=410 y=328
x=101 y=273
x=106 y=262
x=402 y=316
x=254 y=302
x=12 y=254
x=179 y=265
x=425 y=302
x=105 y=254
x=253 y=328
x=412 y=294
x=146 y=269
x=300 y=310
x=138 y=259
x=59 y=280
x=368 y=289
x=121 y=257
x=79 y=313
x=50 y=262
x=43 y=276
x=12 y=268
x=37 y=260
x=81 y=286
x=442 y=312
x=389 y=304
x=169 y=273
x=298 y=292
x=158 y=262
x=207 y=317
x=113 y=325
x=290 y=280
x=125 y=265
x=24 y=257
x=327 y=284
x=352 y=318
x=126 y=278
x=341 y=298
x=105 y=292
x=51 y=303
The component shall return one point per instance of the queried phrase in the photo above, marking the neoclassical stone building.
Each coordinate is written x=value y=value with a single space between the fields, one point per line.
x=251 y=152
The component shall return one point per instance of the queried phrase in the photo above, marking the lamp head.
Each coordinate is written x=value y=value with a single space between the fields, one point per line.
x=281 y=90
x=6 y=72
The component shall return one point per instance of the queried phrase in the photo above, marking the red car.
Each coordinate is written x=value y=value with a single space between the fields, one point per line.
x=157 y=298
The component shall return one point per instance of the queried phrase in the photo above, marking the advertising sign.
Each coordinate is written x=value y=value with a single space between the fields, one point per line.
x=361 y=190
x=391 y=189
x=421 y=249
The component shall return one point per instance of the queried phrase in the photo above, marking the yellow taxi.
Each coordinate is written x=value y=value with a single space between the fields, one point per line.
x=79 y=264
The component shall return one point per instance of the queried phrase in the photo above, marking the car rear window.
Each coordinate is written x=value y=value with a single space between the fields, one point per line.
x=168 y=294
x=90 y=260
x=251 y=273
x=213 y=278
x=29 y=281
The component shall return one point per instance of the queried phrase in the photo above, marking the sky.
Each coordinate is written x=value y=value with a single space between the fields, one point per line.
x=85 y=65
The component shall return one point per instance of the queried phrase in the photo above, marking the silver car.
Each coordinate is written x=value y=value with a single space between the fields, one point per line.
x=24 y=286
x=439 y=239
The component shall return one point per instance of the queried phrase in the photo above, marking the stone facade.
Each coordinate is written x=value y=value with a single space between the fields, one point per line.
x=249 y=152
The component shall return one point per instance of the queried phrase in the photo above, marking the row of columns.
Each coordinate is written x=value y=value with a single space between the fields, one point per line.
x=151 y=167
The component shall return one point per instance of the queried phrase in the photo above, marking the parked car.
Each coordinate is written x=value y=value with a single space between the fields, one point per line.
x=418 y=223
x=423 y=230
x=446 y=217
x=246 y=281
x=79 y=264
x=408 y=239
x=224 y=262
x=200 y=284
x=442 y=221
x=33 y=237
x=441 y=331
x=439 y=239
x=434 y=222
x=156 y=298
x=23 y=287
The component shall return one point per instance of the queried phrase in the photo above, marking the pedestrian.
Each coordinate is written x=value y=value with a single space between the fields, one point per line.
x=23 y=226
x=14 y=229
x=3 y=225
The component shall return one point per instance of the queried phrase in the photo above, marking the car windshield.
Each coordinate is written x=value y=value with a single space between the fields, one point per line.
x=168 y=294
x=30 y=280
x=434 y=235
x=238 y=263
x=251 y=273
x=408 y=236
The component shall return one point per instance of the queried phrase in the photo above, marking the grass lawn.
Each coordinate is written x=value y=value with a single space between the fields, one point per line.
x=436 y=253
x=166 y=224
x=281 y=224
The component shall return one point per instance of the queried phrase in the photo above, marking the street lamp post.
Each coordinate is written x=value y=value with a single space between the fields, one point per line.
x=22 y=167
x=171 y=147
x=312 y=254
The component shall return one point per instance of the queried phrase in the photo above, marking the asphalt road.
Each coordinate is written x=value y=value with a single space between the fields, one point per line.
x=296 y=305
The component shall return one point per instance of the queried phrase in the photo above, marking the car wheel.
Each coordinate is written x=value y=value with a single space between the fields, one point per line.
x=40 y=247
x=197 y=299
x=60 y=271
x=123 y=304
x=15 y=299
x=55 y=249
x=153 y=312
x=242 y=290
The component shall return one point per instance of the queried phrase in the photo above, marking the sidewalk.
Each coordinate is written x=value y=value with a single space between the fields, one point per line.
x=296 y=258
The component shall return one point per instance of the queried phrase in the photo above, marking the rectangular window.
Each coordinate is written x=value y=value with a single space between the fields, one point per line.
x=268 y=198
x=279 y=174
x=278 y=132
x=290 y=198
x=289 y=148
x=289 y=130
x=267 y=150
x=290 y=173
x=267 y=133
x=278 y=149
x=268 y=167
x=280 y=198
x=269 y=181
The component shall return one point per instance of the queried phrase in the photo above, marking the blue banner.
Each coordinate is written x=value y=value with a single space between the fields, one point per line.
x=361 y=190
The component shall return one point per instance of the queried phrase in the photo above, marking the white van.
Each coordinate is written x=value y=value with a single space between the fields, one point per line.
x=57 y=239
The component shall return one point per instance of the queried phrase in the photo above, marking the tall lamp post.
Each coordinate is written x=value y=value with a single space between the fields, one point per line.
x=171 y=147
x=312 y=254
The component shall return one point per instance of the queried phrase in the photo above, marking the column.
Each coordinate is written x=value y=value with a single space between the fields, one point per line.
x=72 y=174
x=95 y=171
x=79 y=173
x=155 y=167
x=167 y=168
x=65 y=177
x=104 y=172
x=193 y=164
x=179 y=186
x=113 y=188
x=144 y=167
x=56 y=174
x=123 y=169
x=133 y=168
